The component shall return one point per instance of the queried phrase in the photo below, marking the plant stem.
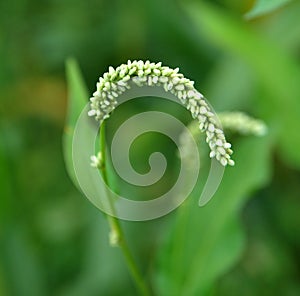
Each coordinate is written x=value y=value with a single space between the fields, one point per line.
x=116 y=230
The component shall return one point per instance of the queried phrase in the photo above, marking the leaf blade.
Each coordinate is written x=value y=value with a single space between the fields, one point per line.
x=205 y=242
x=262 y=7
x=278 y=72
x=77 y=100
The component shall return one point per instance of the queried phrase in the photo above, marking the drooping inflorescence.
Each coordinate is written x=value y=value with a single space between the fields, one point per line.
x=117 y=81
x=242 y=123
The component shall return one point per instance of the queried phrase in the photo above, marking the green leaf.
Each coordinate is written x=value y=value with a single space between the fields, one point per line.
x=275 y=69
x=224 y=75
x=77 y=100
x=22 y=264
x=205 y=242
x=101 y=265
x=7 y=185
x=281 y=25
x=262 y=7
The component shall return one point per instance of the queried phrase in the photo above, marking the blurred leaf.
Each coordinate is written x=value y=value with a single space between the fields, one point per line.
x=276 y=70
x=77 y=100
x=206 y=241
x=101 y=265
x=6 y=184
x=22 y=265
x=2 y=283
x=281 y=24
x=262 y=7
x=223 y=76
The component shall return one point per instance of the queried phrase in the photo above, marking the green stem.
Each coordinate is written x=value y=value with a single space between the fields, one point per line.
x=116 y=229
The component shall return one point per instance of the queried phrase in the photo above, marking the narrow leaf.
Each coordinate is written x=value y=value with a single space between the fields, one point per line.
x=77 y=100
x=276 y=71
x=262 y=7
x=206 y=241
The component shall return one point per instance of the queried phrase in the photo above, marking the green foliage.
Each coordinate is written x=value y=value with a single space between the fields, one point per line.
x=246 y=240
x=277 y=71
x=262 y=7
x=77 y=100
x=205 y=242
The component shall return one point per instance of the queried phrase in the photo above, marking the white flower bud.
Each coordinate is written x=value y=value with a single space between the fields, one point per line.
x=116 y=81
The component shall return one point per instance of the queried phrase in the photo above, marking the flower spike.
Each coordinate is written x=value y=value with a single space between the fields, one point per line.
x=116 y=81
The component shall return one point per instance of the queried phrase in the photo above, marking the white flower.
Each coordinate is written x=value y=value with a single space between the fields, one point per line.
x=116 y=81
x=96 y=161
x=242 y=123
x=114 y=238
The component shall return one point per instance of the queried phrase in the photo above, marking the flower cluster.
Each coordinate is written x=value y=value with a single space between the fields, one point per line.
x=242 y=123
x=97 y=161
x=116 y=81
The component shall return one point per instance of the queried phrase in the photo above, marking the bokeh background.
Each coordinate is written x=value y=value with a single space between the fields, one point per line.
x=247 y=241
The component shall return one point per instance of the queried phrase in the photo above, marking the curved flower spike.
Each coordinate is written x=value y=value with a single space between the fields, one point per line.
x=240 y=122
x=116 y=81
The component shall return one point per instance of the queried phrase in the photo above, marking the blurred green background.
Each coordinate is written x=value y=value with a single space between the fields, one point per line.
x=246 y=241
